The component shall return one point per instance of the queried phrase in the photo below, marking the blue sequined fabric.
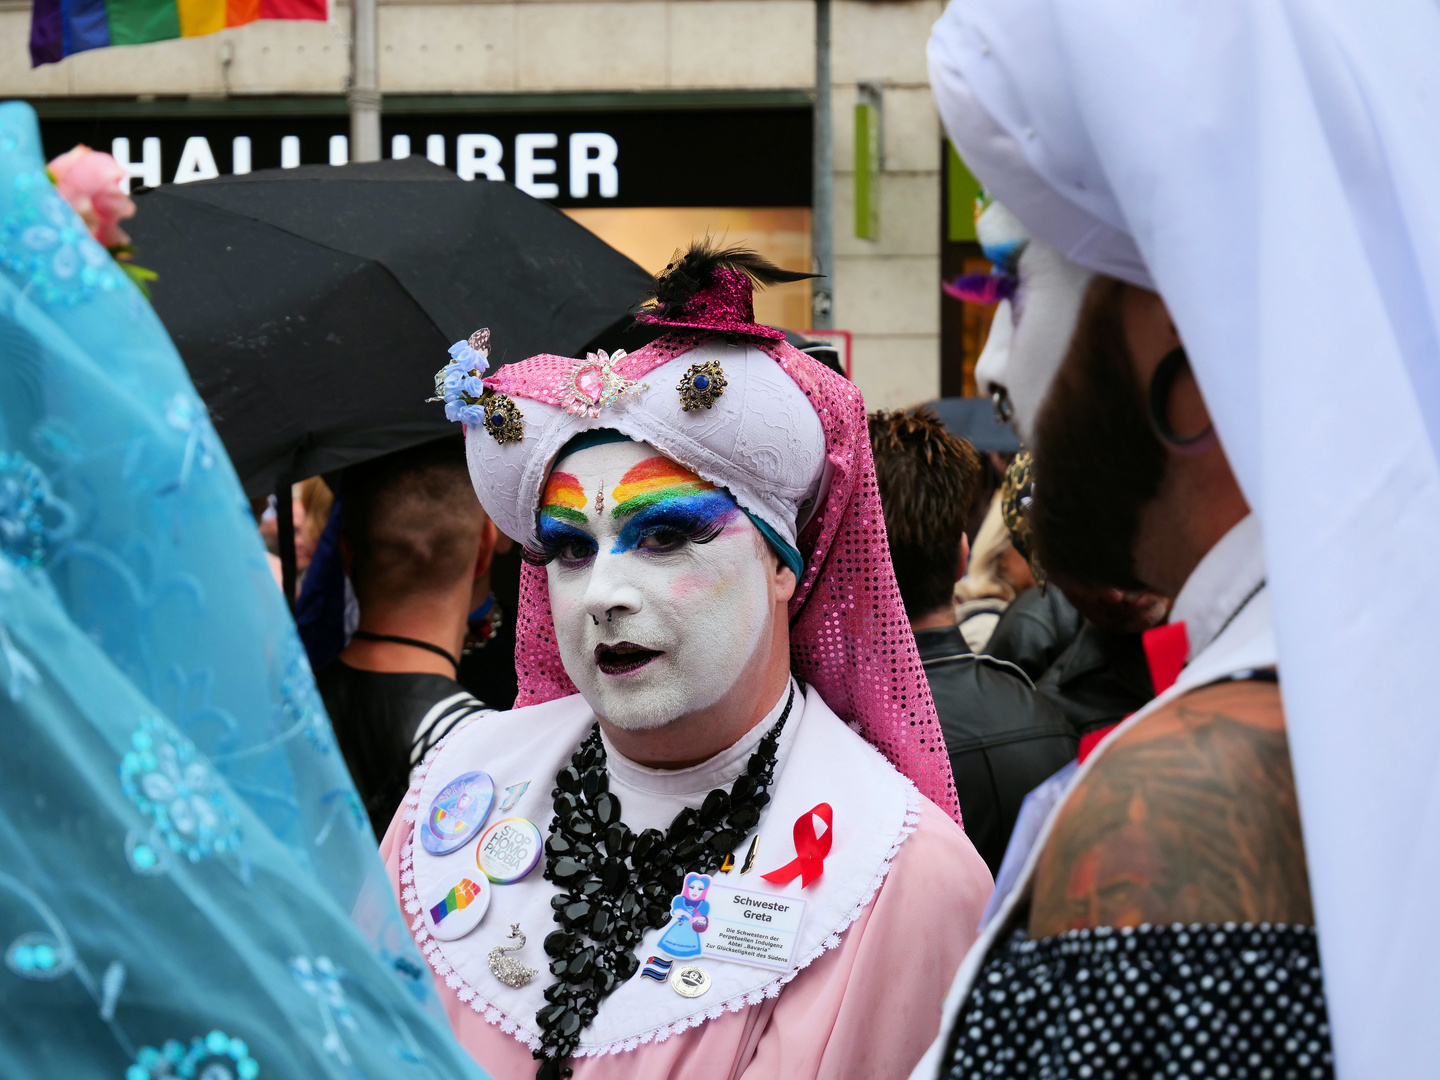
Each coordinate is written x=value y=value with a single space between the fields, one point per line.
x=1231 y=1002
x=189 y=887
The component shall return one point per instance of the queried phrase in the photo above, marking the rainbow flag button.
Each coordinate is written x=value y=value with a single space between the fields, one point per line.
x=459 y=909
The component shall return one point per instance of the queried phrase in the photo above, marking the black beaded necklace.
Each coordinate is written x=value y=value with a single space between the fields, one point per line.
x=607 y=902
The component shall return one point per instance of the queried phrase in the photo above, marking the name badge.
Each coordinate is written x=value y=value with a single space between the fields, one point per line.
x=752 y=928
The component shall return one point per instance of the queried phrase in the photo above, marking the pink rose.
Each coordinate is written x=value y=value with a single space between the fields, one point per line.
x=90 y=182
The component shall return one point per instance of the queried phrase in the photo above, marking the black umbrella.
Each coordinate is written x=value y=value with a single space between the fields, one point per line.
x=313 y=306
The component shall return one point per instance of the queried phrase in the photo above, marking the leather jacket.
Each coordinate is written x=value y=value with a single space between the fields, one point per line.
x=1003 y=738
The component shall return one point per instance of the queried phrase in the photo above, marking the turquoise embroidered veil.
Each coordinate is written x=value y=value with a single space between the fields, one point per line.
x=188 y=883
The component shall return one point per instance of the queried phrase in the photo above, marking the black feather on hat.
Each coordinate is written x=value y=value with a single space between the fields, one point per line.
x=694 y=271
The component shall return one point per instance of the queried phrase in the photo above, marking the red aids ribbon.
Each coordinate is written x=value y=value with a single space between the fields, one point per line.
x=810 y=850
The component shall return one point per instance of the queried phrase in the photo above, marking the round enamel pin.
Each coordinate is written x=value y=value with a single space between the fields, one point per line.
x=509 y=850
x=457 y=812
x=455 y=911
x=689 y=980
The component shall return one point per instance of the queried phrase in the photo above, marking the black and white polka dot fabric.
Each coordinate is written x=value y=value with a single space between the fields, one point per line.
x=1227 y=1002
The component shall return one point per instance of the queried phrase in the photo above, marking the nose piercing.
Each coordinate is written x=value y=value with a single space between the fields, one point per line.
x=594 y=620
x=609 y=616
x=1004 y=407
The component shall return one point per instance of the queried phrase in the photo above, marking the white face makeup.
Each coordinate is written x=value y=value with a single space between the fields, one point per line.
x=1031 y=333
x=659 y=584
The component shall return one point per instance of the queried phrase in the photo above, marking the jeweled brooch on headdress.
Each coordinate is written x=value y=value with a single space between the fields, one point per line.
x=593 y=383
x=701 y=385
x=503 y=419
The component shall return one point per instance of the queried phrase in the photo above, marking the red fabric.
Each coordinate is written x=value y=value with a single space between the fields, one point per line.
x=294 y=9
x=1091 y=739
x=810 y=850
x=240 y=12
x=849 y=637
x=1166 y=649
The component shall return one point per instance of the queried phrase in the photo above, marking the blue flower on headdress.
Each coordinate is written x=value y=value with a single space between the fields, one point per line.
x=471 y=415
x=460 y=383
x=452 y=379
x=473 y=354
x=468 y=356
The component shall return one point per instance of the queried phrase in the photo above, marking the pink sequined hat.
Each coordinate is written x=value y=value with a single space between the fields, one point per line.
x=727 y=306
x=788 y=438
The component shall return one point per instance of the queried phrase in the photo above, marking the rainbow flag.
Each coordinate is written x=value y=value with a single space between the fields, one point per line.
x=61 y=27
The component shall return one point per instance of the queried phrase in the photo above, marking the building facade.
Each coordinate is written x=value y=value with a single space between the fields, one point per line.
x=650 y=121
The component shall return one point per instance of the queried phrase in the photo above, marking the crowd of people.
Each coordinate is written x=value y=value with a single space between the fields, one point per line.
x=708 y=725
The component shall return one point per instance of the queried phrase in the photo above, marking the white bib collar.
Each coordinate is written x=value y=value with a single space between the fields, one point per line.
x=819 y=760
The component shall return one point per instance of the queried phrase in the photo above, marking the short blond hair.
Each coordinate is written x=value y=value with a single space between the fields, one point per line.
x=982 y=577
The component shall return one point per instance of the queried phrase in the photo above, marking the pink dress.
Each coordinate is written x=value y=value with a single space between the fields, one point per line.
x=864 y=1011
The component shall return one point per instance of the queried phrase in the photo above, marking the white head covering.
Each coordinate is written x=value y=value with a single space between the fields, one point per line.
x=1273 y=170
x=760 y=439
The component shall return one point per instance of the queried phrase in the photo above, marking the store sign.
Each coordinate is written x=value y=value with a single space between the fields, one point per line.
x=693 y=157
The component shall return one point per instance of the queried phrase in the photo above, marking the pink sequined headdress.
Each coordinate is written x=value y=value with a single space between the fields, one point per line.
x=849 y=637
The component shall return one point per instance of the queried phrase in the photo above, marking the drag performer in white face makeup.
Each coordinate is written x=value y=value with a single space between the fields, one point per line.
x=718 y=837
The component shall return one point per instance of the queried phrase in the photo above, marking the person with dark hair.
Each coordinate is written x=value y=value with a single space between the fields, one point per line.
x=1002 y=737
x=414 y=541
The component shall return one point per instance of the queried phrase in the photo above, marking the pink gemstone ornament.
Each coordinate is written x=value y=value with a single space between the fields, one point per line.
x=593 y=383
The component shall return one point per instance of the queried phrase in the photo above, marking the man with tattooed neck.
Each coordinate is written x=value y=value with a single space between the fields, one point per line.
x=1182 y=831
x=718 y=837
x=1162 y=922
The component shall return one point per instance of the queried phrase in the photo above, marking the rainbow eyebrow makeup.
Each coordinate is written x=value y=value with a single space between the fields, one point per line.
x=659 y=494
x=655 y=480
x=561 y=511
x=563 y=499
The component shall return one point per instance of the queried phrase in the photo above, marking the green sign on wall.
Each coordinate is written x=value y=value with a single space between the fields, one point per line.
x=867 y=170
x=961 y=190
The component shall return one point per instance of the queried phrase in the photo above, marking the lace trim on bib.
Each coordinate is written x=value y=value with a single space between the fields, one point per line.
x=494 y=1015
